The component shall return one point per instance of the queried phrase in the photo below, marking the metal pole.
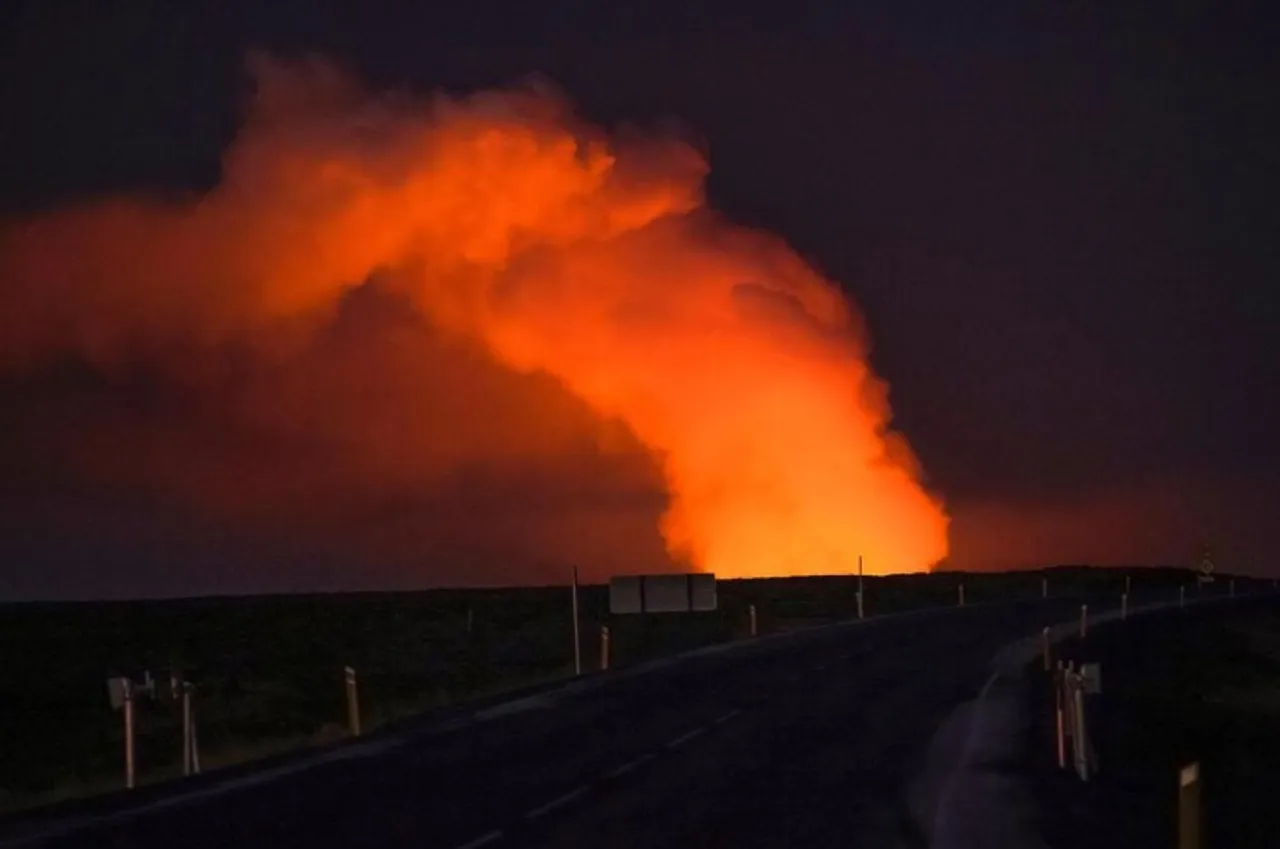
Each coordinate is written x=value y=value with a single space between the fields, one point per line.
x=751 y=613
x=860 y=586
x=128 y=734
x=353 y=702
x=186 y=728
x=1189 y=807
x=1084 y=620
x=604 y=648
x=577 y=638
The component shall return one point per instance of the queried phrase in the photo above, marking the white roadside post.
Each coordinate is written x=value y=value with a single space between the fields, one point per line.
x=353 y=701
x=577 y=637
x=751 y=614
x=1124 y=606
x=1061 y=724
x=186 y=728
x=1084 y=620
x=128 y=734
x=1044 y=642
x=960 y=600
x=1080 y=735
x=604 y=648
x=189 y=715
x=122 y=693
x=1182 y=596
x=1044 y=587
x=1189 y=806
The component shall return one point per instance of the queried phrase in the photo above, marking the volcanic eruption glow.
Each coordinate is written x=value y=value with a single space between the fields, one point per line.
x=510 y=224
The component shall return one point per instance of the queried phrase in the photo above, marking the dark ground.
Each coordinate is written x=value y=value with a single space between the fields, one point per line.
x=811 y=741
x=1177 y=688
x=268 y=669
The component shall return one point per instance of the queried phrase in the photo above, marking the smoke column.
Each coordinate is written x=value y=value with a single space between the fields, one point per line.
x=510 y=224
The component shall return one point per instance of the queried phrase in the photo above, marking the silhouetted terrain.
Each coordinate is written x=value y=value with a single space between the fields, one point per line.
x=269 y=669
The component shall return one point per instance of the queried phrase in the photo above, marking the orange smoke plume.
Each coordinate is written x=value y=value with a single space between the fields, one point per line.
x=509 y=224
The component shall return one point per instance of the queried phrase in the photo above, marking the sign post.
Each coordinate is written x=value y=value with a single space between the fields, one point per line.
x=1206 y=567
x=859 y=586
x=577 y=637
x=353 y=701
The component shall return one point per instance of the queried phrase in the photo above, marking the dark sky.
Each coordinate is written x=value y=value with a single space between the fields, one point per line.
x=1058 y=219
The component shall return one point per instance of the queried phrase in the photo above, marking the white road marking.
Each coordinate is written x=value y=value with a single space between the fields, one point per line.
x=482 y=840
x=726 y=717
x=558 y=802
x=627 y=767
x=684 y=738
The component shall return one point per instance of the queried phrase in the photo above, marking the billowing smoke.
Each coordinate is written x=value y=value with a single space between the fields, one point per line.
x=414 y=287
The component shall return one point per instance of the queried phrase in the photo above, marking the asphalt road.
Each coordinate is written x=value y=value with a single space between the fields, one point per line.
x=805 y=741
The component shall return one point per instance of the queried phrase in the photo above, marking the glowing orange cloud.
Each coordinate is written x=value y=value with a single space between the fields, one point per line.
x=508 y=223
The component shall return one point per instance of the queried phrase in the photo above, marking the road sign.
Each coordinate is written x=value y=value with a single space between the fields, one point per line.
x=680 y=593
x=1206 y=567
x=1092 y=675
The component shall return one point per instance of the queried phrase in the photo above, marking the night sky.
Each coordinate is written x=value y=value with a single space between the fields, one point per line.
x=1058 y=220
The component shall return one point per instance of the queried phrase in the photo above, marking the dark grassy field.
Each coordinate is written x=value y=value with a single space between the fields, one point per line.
x=1189 y=687
x=269 y=669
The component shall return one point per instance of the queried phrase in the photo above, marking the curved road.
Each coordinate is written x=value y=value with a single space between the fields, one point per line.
x=809 y=739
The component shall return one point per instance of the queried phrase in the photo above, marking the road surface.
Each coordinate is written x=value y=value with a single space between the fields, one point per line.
x=809 y=740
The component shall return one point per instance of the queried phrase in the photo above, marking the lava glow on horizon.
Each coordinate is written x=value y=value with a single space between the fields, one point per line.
x=511 y=225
